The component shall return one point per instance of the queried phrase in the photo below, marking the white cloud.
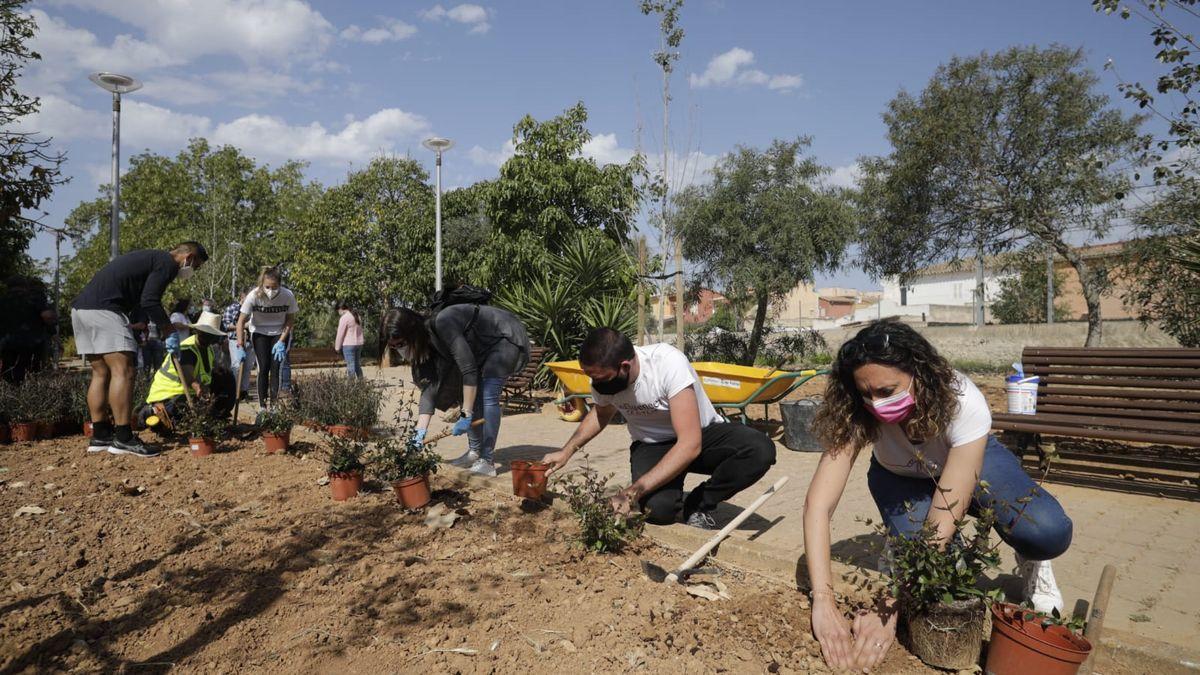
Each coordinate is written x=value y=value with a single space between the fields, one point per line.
x=493 y=158
x=475 y=16
x=251 y=30
x=732 y=68
x=844 y=176
x=605 y=149
x=69 y=53
x=388 y=30
x=272 y=137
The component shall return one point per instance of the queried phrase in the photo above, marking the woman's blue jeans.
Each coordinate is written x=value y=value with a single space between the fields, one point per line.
x=1037 y=528
x=353 y=362
x=482 y=439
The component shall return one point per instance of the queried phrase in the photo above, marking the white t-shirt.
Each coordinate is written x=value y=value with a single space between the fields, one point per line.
x=645 y=405
x=180 y=319
x=974 y=421
x=268 y=315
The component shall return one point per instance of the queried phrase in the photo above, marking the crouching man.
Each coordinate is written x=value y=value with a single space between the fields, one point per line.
x=674 y=427
x=167 y=400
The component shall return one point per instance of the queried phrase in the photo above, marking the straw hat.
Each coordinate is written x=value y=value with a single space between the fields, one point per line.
x=209 y=322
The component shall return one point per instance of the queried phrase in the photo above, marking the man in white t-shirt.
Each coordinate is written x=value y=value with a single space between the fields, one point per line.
x=674 y=427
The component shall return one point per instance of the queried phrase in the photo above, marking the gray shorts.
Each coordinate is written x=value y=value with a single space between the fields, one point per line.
x=99 y=331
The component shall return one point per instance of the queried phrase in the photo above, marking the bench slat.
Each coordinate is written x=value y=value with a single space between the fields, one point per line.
x=1115 y=370
x=1115 y=392
x=1191 y=441
x=1116 y=352
x=1132 y=404
x=1171 y=415
x=1091 y=421
x=1169 y=362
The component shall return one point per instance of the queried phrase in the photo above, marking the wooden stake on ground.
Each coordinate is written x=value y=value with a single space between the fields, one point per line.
x=1095 y=622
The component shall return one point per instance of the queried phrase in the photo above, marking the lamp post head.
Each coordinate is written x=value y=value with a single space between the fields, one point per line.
x=117 y=84
x=438 y=144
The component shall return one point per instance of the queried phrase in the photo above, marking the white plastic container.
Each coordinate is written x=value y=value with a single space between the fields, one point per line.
x=1022 y=394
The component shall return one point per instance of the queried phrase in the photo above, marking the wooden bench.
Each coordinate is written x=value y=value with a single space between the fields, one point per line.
x=1149 y=396
x=518 y=387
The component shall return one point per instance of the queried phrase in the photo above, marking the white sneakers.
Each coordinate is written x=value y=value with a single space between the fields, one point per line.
x=465 y=460
x=1041 y=590
x=483 y=467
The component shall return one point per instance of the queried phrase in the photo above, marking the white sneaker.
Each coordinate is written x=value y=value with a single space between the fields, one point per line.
x=465 y=460
x=1041 y=590
x=484 y=468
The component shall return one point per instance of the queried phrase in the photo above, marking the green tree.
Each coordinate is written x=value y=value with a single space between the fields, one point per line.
x=763 y=225
x=1022 y=296
x=998 y=151
x=29 y=168
x=1161 y=270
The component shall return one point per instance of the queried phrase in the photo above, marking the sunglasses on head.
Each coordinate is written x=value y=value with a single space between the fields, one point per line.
x=870 y=345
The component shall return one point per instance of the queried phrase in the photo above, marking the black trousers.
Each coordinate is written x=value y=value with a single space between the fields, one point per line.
x=733 y=456
x=268 y=367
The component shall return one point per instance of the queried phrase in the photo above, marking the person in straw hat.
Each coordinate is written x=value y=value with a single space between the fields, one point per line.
x=200 y=370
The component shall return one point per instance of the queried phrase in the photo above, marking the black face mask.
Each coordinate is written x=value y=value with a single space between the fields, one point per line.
x=611 y=386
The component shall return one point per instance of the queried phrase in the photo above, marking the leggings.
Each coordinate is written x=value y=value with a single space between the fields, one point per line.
x=268 y=368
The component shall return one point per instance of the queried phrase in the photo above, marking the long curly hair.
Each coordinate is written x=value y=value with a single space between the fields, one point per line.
x=844 y=421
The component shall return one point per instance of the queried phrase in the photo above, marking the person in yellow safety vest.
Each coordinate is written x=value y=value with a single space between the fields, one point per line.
x=200 y=368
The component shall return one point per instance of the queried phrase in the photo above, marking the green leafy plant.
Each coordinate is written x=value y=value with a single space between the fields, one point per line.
x=7 y=402
x=197 y=422
x=28 y=401
x=346 y=455
x=278 y=421
x=393 y=460
x=334 y=399
x=1074 y=623
x=924 y=574
x=600 y=529
x=75 y=398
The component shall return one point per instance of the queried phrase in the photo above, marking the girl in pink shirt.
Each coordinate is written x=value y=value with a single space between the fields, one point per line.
x=349 y=339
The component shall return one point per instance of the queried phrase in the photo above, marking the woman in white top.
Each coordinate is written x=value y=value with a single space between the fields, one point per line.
x=271 y=310
x=179 y=318
x=930 y=431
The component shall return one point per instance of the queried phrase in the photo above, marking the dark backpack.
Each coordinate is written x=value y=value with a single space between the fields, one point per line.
x=463 y=295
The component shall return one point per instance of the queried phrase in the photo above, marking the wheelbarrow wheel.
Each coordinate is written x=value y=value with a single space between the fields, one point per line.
x=573 y=411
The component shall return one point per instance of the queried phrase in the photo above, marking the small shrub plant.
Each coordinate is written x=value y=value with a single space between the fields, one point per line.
x=393 y=460
x=346 y=455
x=333 y=399
x=600 y=528
x=197 y=422
x=278 y=420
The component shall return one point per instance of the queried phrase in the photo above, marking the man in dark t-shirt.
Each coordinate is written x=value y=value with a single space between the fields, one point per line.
x=131 y=284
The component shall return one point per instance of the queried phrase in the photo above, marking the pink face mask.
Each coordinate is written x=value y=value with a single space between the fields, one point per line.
x=893 y=409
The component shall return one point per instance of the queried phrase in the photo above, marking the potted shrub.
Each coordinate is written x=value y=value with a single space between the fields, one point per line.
x=529 y=479
x=343 y=406
x=407 y=467
x=27 y=409
x=1024 y=641
x=600 y=529
x=201 y=429
x=73 y=414
x=345 y=467
x=6 y=406
x=276 y=426
x=942 y=610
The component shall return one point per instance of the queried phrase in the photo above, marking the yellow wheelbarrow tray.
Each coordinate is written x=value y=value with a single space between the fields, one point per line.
x=728 y=386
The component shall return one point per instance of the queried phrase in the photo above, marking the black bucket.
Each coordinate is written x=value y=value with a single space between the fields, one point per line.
x=797 y=420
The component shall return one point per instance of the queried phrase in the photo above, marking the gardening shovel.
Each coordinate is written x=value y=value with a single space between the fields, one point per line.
x=659 y=575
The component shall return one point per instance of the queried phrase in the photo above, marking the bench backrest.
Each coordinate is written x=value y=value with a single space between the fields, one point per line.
x=525 y=377
x=1134 y=394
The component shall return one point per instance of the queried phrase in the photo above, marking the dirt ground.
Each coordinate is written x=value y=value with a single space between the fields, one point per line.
x=241 y=562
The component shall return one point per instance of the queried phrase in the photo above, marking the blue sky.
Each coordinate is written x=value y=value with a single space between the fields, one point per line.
x=334 y=83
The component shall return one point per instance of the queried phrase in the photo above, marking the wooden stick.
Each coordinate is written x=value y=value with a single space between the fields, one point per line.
x=237 y=387
x=700 y=553
x=187 y=386
x=1095 y=623
x=445 y=433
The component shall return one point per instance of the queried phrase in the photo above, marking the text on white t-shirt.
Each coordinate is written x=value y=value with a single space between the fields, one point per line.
x=269 y=315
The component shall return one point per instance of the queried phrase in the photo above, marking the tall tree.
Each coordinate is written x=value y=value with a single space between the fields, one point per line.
x=670 y=37
x=997 y=151
x=765 y=224
x=1022 y=296
x=29 y=168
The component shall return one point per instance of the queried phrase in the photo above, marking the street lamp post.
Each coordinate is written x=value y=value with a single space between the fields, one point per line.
x=438 y=145
x=117 y=85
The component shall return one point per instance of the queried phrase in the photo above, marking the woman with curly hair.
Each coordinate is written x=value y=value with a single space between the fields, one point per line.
x=929 y=428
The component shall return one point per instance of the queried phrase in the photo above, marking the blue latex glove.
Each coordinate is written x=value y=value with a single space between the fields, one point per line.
x=172 y=343
x=462 y=425
x=278 y=351
x=418 y=438
x=239 y=355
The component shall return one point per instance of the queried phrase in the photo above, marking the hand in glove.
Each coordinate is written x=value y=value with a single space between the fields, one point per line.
x=239 y=355
x=418 y=438
x=278 y=351
x=462 y=425
x=172 y=343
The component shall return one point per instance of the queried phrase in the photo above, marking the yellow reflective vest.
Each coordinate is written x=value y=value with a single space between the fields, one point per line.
x=167 y=385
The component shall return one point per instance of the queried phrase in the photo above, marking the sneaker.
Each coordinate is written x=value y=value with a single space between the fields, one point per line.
x=1041 y=590
x=134 y=446
x=465 y=460
x=98 y=444
x=483 y=467
x=702 y=520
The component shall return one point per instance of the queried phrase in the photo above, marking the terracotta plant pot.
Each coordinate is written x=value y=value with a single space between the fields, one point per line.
x=202 y=447
x=65 y=428
x=413 y=493
x=1021 y=645
x=87 y=429
x=24 y=432
x=276 y=442
x=345 y=485
x=529 y=479
x=312 y=425
x=947 y=636
x=45 y=430
x=345 y=431
x=5 y=433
